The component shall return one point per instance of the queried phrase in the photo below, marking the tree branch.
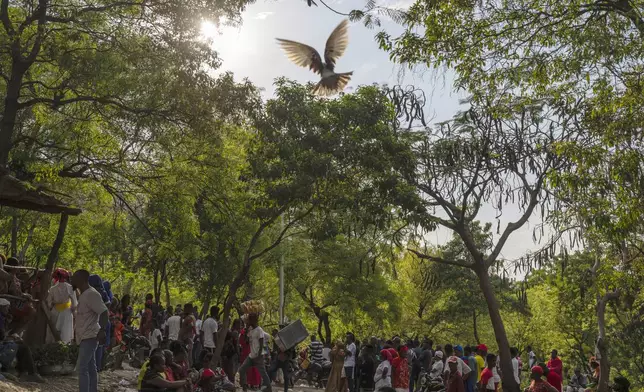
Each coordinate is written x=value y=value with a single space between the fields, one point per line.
x=440 y=260
x=283 y=232
x=513 y=226
x=4 y=16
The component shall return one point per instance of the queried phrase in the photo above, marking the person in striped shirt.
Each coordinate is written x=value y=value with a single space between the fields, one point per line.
x=315 y=350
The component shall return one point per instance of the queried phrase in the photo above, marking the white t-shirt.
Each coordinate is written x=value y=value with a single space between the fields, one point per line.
x=350 y=360
x=174 y=325
x=379 y=379
x=209 y=327
x=515 y=370
x=199 y=324
x=437 y=370
x=154 y=338
x=325 y=354
x=90 y=307
x=532 y=358
x=463 y=368
x=254 y=336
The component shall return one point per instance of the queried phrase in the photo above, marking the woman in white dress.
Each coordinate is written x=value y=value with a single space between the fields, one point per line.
x=62 y=303
x=382 y=377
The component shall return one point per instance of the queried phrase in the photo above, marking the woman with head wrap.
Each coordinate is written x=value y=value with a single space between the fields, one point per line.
x=401 y=370
x=62 y=302
x=337 y=378
x=538 y=384
x=382 y=378
x=107 y=286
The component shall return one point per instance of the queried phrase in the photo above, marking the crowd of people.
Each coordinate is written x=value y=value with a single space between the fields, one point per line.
x=180 y=347
x=420 y=366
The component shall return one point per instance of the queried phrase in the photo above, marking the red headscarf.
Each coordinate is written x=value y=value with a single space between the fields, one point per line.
x=395 y=361
x=386 y=354
x=398 y=358
x=60 y=275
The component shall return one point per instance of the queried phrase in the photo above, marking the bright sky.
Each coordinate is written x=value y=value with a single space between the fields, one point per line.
x=250 y=51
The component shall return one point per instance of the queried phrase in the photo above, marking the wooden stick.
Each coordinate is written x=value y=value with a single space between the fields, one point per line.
x=20 y=267
x=52 y=326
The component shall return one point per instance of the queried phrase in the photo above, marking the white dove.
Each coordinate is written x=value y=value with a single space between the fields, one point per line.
x=306 y=56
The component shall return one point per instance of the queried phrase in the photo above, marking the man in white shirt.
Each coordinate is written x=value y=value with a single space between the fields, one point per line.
x=173 y=325
x=156 y=338
x=255 y=337
x=532 y=357
x=208 y=333
x=515 y=364
x=350 y=360
x=436 y=374
x=91 y=321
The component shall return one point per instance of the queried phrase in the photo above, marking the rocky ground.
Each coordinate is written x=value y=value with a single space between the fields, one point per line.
x=109 y=381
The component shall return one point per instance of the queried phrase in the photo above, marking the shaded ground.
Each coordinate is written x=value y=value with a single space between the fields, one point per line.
x=109 y=381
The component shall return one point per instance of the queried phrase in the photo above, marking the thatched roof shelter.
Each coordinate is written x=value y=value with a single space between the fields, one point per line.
x=17 y=194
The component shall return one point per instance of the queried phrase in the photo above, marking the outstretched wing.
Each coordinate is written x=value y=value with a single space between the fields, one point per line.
x=336 y=44
x=302 y=55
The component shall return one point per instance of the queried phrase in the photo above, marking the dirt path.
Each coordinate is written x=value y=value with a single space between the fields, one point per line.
x=109 y=381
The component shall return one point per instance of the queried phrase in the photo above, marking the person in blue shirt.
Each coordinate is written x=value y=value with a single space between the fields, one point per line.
x=472 y=379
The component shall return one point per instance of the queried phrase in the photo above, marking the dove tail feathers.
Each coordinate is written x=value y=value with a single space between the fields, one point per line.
x=333 y=84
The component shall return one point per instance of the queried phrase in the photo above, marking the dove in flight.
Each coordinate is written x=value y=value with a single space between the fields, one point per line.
x=306 y=56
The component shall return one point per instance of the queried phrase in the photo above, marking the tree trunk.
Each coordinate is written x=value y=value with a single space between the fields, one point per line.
x=11 y=106
x=14 y=234
x=327 y=328
x=128 y=287
x=162 y=280
x=30 y=236
x=602 y=344
x=507 y=373
x=228 y=305
x=167 y=294
x=476 y=328
x=209 y=293
x=156 y=282
x=320 y=329
x=36 y=332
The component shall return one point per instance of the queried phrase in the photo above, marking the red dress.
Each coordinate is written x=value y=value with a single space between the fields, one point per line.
x=401 y=374
x=252 y=374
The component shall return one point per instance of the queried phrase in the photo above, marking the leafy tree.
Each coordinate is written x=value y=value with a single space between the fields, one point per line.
x=486 y=156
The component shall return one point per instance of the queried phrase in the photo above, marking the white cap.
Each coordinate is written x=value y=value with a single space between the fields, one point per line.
x=439 y=354
x=4 y=302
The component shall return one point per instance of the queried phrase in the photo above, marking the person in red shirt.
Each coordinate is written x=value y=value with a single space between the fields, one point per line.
x=552 y=377
x=487 y=375
x=537 y=384
x=555 y=364
x=455 y=380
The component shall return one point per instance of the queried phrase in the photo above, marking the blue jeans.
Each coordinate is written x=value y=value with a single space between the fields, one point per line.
x=87 y=375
